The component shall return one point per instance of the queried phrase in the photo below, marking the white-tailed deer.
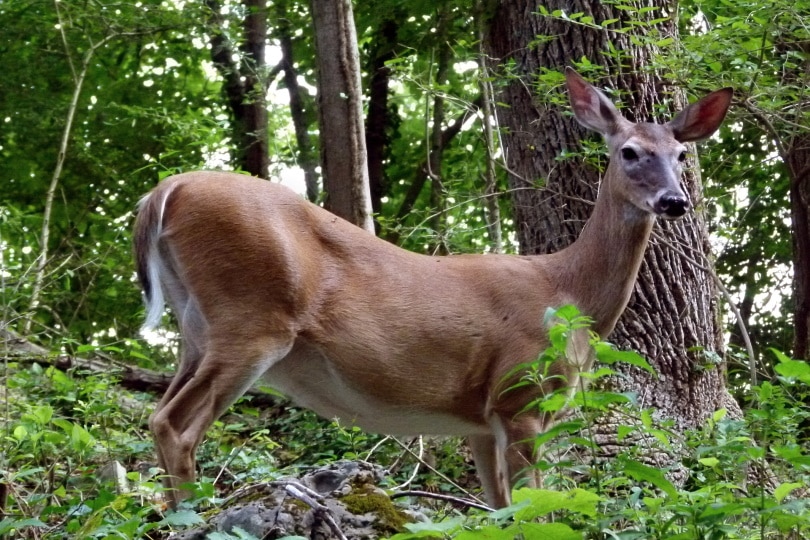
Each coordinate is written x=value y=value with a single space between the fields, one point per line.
x=267 y=286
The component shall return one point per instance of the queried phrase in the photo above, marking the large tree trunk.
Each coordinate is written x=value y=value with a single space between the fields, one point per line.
x=671 y=318
x=340 y=113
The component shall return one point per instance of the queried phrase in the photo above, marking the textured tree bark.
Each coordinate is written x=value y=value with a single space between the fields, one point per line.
x=672 y=316
x=256 y=155
x=340 y=113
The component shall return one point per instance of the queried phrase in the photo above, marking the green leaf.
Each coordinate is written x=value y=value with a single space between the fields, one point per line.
x=80 y=438
x=9 y=524
x=709 y=461
x=182 y=518
x=41 y=414
x=623 y=431
x=644 y=473
x=569 y=427
x=545 y=501
x=554 y=402
x=20 y=433
x=546 y=531
x=568 y=312
x=488 y=532
x=64 y=425
x=784 y=489
x=429 y=529
x=792 y=370
x=608 y=355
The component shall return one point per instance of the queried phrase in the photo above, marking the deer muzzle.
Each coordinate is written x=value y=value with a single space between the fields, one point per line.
x=672 y=206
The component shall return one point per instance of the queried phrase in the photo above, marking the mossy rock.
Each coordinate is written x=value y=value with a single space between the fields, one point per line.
x=390 y=519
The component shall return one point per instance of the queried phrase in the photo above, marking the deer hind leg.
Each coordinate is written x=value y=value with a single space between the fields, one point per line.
x=209 y=381
x=193 y=328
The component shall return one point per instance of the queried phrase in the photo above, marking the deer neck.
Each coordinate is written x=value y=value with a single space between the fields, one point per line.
x=599 y=269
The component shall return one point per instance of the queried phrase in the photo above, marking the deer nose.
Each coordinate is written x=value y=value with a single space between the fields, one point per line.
x=672 y=206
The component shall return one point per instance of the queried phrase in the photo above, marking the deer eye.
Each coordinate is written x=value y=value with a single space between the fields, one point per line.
x=682 y=157
x=629 y=154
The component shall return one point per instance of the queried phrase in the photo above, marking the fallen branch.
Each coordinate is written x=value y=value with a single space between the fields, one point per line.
x=20 y=350
x=443 y=497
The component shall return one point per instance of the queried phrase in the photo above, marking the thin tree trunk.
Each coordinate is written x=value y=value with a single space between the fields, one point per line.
x=50 y=195
x=436 y=152
x=493 y=213
x=340 y=113
x=244 y=86
x=378 y=115
x=307 y=157
x=798 y=162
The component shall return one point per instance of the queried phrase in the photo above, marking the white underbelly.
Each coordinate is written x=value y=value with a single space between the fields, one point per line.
x=309 y=381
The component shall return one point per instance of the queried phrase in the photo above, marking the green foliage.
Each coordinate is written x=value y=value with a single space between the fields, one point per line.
x=759 y=48
x=59 y=436
x=747 y=479
x=144 y=106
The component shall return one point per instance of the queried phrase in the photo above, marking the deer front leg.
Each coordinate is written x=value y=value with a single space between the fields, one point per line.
x=491 y=468
x=519 y=451
x=505 y=456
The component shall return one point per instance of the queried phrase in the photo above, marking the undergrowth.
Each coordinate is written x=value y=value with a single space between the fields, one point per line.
x=745 y=478
x=64 y=435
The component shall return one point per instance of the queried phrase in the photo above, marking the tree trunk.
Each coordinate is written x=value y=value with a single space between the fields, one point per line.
x=256 y=156
x=378 y=115
x=436 y=153
x=671 y=318
x=307 y=158
x=798 y=162
x=340 y=113
x=244 y=86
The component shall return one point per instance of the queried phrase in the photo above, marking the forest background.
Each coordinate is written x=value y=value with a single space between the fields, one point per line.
x=469 y=148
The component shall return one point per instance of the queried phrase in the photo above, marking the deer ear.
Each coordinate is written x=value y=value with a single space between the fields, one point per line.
x=591 y=107
x=702 y=118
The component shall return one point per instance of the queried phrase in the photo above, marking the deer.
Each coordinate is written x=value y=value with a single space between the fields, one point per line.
x=268 y=287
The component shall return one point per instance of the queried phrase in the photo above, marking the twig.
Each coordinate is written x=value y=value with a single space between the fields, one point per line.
x=443 y=497
x=303 y=493
x=435 y=471
x=416 y=467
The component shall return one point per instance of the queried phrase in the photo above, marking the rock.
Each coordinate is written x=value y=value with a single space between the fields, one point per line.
x=340 y=498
